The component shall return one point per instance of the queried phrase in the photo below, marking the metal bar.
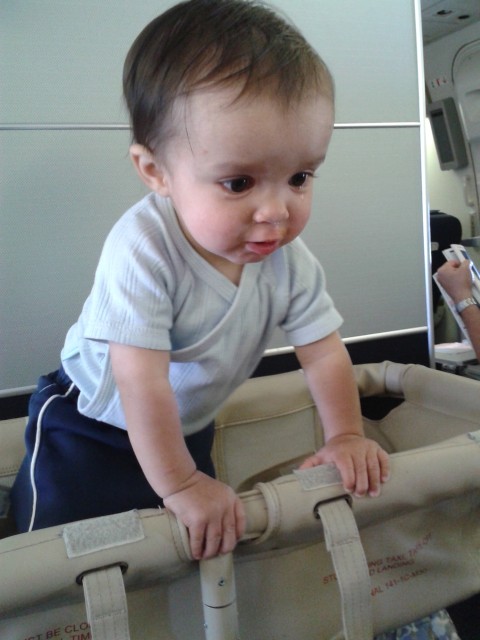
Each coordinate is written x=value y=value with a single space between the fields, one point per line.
x=219 y=598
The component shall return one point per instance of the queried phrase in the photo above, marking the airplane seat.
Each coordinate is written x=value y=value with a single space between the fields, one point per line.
x=445 y=229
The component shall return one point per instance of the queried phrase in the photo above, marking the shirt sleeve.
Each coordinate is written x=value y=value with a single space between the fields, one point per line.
x=130 y=302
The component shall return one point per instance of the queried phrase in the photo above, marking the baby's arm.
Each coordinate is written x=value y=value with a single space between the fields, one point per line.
x=209 y=509
x=363 y=464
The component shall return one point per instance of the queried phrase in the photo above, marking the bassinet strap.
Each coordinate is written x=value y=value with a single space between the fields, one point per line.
x=343 y=542
x=106 y=604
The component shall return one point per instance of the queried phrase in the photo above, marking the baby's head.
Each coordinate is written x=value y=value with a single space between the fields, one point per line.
x=216 y=43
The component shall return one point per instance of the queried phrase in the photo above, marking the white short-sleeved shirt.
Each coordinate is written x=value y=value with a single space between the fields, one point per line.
x=153 y=290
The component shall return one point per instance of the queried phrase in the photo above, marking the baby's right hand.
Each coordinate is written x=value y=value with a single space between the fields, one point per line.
x=213 y=514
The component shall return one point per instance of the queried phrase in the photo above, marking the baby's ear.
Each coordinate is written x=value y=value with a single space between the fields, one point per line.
x=149 y=169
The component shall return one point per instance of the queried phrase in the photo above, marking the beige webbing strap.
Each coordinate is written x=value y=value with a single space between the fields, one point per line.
x=106 y=604
x=351 y=568
x=103 y=588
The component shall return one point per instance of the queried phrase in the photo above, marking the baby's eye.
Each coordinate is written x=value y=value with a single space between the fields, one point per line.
x=299 y=179
x=238 y=185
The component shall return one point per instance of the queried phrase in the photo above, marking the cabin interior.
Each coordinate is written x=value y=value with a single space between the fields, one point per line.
x=66 y=176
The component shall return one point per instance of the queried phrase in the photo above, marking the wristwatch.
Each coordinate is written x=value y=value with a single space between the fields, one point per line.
x=463 y=304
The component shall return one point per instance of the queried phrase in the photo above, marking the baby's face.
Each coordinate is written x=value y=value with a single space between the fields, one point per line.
x=240 y=175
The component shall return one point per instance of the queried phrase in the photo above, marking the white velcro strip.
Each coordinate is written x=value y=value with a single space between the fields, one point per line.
x=475 y=436
x=322 y=475
x=95 y=534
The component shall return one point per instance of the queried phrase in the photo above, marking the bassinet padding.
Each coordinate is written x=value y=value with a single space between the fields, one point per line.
x=416 y=535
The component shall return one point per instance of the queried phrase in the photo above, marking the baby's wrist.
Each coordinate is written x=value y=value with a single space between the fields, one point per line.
x=346 y=434
x=183 y=484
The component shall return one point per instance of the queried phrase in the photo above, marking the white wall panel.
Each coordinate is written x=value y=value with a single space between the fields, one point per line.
x=374 y=65
x=61 y=191
x=365 y=229
x=61 y=60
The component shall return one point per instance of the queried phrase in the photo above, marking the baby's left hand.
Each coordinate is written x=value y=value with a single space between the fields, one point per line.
x=362 y=463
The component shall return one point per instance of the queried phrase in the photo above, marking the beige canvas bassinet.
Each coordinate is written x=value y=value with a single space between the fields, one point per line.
x=315 y=563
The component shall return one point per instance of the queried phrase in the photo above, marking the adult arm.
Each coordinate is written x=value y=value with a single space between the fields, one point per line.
x=456 y=278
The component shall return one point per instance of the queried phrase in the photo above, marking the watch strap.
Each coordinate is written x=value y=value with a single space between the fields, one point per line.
x=463 y=304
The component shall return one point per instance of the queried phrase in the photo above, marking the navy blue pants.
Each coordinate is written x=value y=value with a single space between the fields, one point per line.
x=76 y=467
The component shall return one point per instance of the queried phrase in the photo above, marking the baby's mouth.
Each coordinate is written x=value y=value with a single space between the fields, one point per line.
x=264 y=248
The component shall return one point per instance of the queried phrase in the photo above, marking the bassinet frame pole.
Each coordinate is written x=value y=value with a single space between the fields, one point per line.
x=219 y=598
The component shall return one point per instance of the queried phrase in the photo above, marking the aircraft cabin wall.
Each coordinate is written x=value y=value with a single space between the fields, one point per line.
x=66 y=176
x=452 y=71
x=455 y=191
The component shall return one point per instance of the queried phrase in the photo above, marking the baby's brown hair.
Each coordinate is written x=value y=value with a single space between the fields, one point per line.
x=209 y=43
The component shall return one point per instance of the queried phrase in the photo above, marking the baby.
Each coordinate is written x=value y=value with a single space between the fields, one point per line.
x=232 y=114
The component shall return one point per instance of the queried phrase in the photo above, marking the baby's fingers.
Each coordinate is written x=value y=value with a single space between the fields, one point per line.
x=197 y=534
x=373 y=474
x=233 y=527
x=378 y=470
x=384 y=460
x=310 y=462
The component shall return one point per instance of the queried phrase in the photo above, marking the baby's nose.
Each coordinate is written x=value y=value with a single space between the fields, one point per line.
x=273 y=210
